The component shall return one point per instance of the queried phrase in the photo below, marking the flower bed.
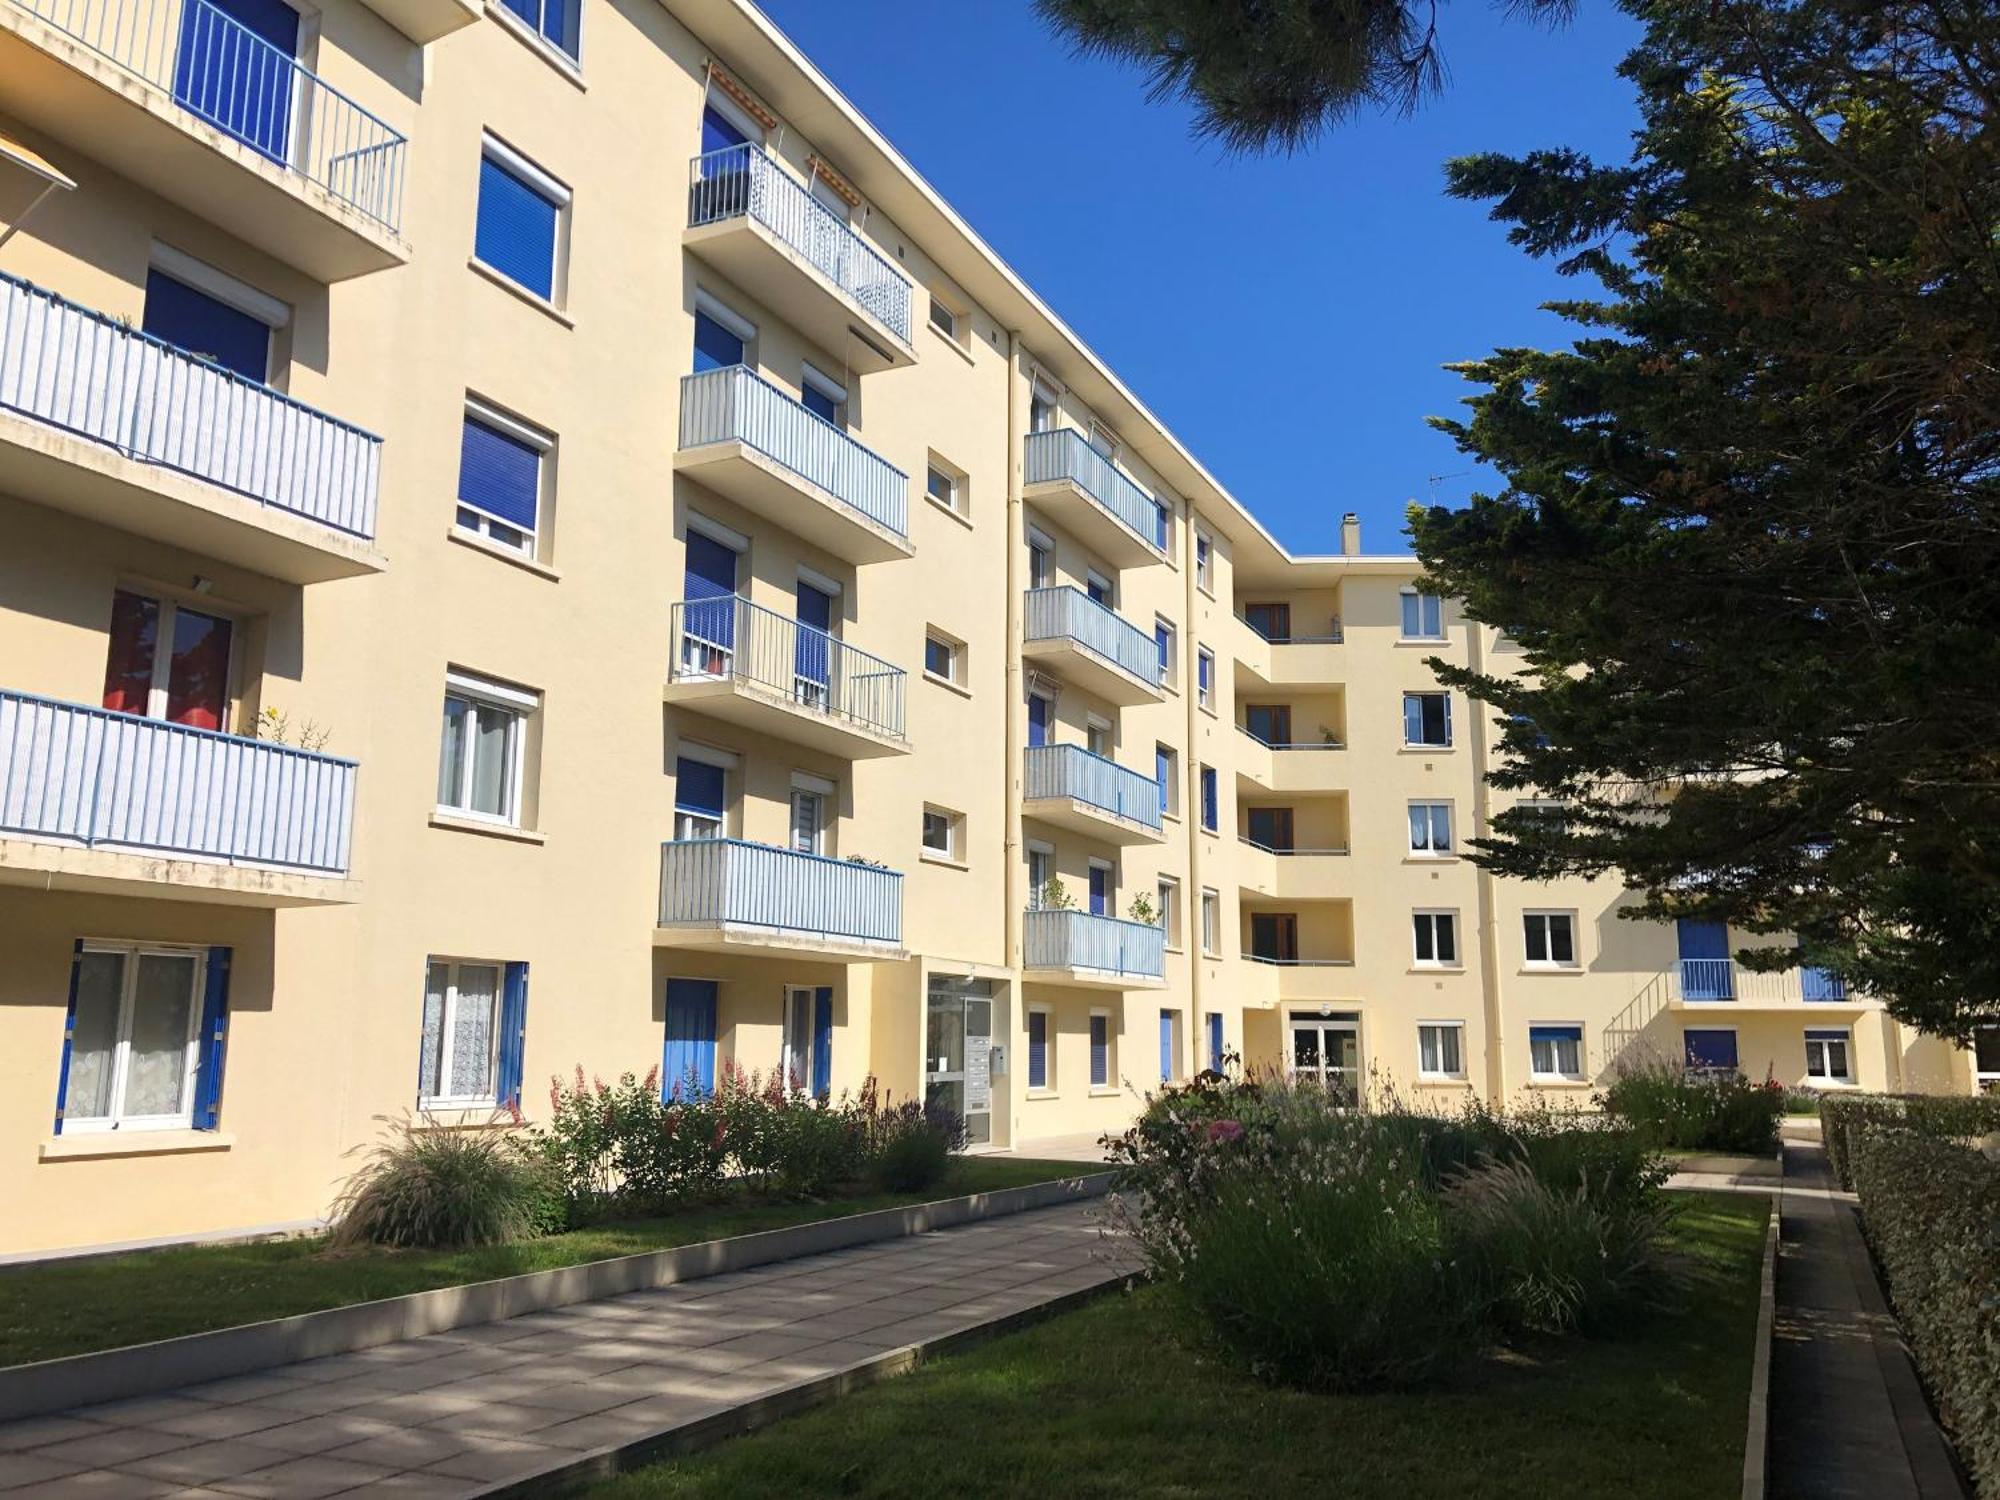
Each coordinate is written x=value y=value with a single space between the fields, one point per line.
x=1677 y=1110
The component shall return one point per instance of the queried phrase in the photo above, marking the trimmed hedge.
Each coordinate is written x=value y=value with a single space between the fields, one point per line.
x=1942 y=1117
x=1931 y=1211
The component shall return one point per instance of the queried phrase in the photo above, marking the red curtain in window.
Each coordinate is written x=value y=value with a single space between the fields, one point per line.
x=198 y=675
x=135 y=634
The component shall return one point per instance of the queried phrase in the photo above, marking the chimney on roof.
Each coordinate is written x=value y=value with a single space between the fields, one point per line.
x=1350 y=535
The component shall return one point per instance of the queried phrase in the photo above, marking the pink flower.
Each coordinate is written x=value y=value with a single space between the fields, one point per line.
x=1222 y=1132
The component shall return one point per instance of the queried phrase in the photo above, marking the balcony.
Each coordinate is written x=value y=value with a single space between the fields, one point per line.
x=1092 y=952
x=1092 y=498
x=1316 y=766
x=763 y=229
x=746 y=439
x=1293 y=874
x=188 y=102
x=752 y=666
x=1293 y=660
x=92 y=800
x=1068 y=786
x=730 y=895
x=112 y=425
x=1083 y=642
x=1276 y=981
x=1710 y=983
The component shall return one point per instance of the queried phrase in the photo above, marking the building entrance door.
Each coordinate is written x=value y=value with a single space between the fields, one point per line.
x=958 y=1047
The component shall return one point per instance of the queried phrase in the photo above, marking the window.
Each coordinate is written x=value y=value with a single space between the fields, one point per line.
x=1551 y=939
x=1041 y=1052
x=1215 y=1042
x=555 y=21
x=1441 y=1049
x=1204 y=562
x=812 y=797
x=482 y=748
x=1169 y=910
x=1423 y=616
x=1427 y=720
x=725 y=124
x=1163 y=525
x=823 y=396
x=1041 y=561
x=1167 y=776
x=1710 y=1049
x=805 y=1053
x=1269 y=723
x=186 y=683
x=1271 y=621
x=1041 y=715
x=1430 y=828
x=701 y=793
x=1042 y=406
x=223 y=331
x=1097 y=736
x=1210 y=815
x=1041 y=875
x=1986 y=1059
x=946 y=485
x=520 y=221
x=144 y=1038
x=1163 y=644
x=1204 y=677
x=943 y=318
x=1103 y=439
x=941 y=833
x=1436 y=938
x=1170 y=1048
x=942 y=656
x=722 y=336
x=1100 y=1049
x=474 y=1014
x=1826 y=1055
x=1211 y=923
x=1555 y=1052
x=1100 y=589
x=500 y=478
x=1103 y=896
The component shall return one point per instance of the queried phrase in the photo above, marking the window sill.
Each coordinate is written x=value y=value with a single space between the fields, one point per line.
x=520 y=560
x=1103 y=1091
x=1556 y=1081
x=1206 y=590
x=1213 y=833
x=457 y=1114
x=951 y=510
x=102 y=1143
x=1034 y=1094
x=546 y=50
x=944 y=861
x=1430 y=859
x=1442 y=1082
x=945 y=682
x=508 y=284
x=1437 y=968
x=1207 y=708
x=1423 y=640
x=1539 y=969
x=1409 y=749
x=458 y=824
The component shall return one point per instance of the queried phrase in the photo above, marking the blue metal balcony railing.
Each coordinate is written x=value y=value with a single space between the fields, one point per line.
x=1064 y=453
x=736 y=405
x=83 y=372
x=1074 y=772
x=1053 y=939
x=731 y=882
x=102 y=779
x=1719 y=979
x=1068 y=613
x=744 y=180
x=219 y=70
x=729 y=637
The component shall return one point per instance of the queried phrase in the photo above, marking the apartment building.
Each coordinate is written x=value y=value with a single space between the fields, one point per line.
x=531 y=539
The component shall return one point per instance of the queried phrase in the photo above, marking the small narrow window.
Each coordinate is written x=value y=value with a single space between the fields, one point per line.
x=1166 y=775
x=1210 y=809
x=1041 y=1052
x=1204 y=562
x=1168 y=912
x=1204 y=677
x=941 y=834
x=1100 y=1049
x=1163 y=646
x=1211 y=923
x=943 y=318
x=942 y=657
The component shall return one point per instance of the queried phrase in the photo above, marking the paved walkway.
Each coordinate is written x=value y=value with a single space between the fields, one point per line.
x=455 y=1413
x=1847 y=1416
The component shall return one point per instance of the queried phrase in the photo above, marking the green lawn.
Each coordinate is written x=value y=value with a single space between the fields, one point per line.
x=1108 y=1401
x=71 y=1307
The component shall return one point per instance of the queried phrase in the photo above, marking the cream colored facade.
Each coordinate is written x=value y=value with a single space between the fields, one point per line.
x=279 y=920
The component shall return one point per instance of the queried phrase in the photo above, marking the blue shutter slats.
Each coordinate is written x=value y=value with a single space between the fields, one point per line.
x=499 y=474
x=822 y=1057
x=698 y=788
x=1166 y=1045
x=513 y=1035
x=1215 y=1041
x=688 y=1059
x=69 y=1034
x=516 y=233
x=212 y=1041
x=1038 y=1049
x=177 y=314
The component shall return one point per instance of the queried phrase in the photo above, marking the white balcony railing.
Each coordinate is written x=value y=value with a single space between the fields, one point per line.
x=81 y=371
x=101 y=779
x=1069 y=613
x=737 y=405
x=1063 y=453
x=731 y=882
x=1073 y=772
x=743 y=180
x=1067 y=939
x=222 y=72
x=730 y=638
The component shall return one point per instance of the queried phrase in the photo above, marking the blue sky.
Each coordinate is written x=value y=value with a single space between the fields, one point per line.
x=1286 y=316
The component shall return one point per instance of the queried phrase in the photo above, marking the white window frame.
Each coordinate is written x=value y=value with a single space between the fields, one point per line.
x=1433 y=914
x=1458 y=1027
x=1047 y=1086
x=814 y=379
x=1098 y=736
x=1436 y=603
x=1204 y=562
x=519 y=704
x=1211 y=922
x=1582 y=1072
x=1173 y=807
x=1042 y=571
x=795 y=1049
x=955 y=499
x=1824 y=1039
x=558 y=192
x=948 y=324
x=691 y=825
x=167 y=606
x=954 y=652
x=485 y=522
x=447 y=1030
x=1110 y=1084
x=1095 y=863
x=1172 y=664
x=954 y=834
x=1547 y=916
x=1169 y=896
x=1046 y=392
x=818 y=792
x=121 y=1046
x=1042 y=859
x=1428 y=849
x=1981 y=1080
x=1449 y=737
x=1204 y=677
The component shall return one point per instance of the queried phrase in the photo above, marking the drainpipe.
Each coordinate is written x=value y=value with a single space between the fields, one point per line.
x=1017 y=712
x=1489 y=938
x=1191 y=773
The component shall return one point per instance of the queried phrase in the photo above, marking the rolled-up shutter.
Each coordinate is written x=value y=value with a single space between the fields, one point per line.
x=212 y=1042
x=513 y=1035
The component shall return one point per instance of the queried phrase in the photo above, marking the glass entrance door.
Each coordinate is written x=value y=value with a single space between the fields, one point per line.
x=1327 y=1050
x=958 y=1046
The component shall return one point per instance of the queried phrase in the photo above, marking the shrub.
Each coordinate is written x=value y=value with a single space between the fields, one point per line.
x=1546 y=1258
x=912 y=1146
x=1944 y=1117
x=1931 y=1210
x=1671 y=1107
x=429 y=1188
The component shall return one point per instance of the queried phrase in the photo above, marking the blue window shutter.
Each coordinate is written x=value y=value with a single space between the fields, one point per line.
x=1160 y=765
x=516 y=233
x=69 y=1033
x=1166 y=1045
x=715 y=347
x=1038 y=1049
x=1100 y=1051
x=212 y=1042
x=698 y=788
x=1160 y=524
x=499 y=474
x=1209 y=814
x=1215 y=1040
x=177 y=314
x=234 y=66
x=688 y=1061
x=1706 y=970
x=1709 y=1048
x=1100 y=891
x=718 y=133
x=513 y=1034
x=812 y=652
x=709 y=586
x=822 y=1060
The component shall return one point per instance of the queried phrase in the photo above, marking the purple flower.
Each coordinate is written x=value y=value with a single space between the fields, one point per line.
x=1222 y=1132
